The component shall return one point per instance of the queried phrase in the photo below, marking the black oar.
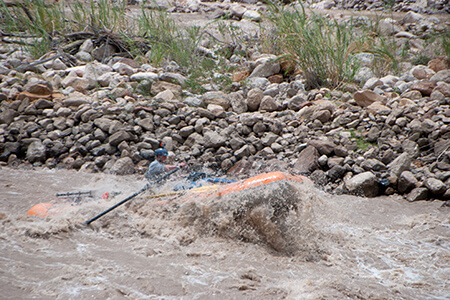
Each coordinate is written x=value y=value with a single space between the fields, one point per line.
x=131 y=197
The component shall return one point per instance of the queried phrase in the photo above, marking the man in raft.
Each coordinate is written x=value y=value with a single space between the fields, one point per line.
x=157 y=168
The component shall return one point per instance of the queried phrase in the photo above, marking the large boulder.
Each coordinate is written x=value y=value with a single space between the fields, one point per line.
x=123 y=166
x=406 y=182
x=36 y=152
x=254 y=98
x=218 y=98
x=213 y=139
x=238 y=103
x=435 y=186
x=363 y=184
x=400 y=164
x=119 y=137
x=307 y=160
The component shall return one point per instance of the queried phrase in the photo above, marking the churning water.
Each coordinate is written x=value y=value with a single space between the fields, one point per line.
x=284 y=241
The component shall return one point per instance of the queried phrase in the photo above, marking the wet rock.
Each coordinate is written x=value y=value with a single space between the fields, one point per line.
x=9 y=148
x=435 y=186
x=417 y=194
x=400 y=164
x=364 y=184
x=123 y=166
x=36 y=152
x=260 y=218
x=406 y=182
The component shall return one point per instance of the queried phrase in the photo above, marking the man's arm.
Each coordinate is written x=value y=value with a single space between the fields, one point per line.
x=168 y=168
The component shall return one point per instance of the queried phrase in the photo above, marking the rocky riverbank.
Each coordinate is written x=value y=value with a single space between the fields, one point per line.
x=388 y=135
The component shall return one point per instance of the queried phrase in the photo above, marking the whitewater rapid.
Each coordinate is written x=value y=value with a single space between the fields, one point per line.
x=346 y=247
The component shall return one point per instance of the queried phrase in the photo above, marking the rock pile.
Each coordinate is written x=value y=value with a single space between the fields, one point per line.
x=391 y=136
x=418 y=6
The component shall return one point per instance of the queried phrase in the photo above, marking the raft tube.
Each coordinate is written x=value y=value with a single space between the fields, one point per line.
x=40 y=210
x=43 y=210
x=221 y=190
x=256 y=181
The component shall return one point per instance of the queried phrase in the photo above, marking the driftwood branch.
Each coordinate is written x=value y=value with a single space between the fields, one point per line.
x=24 y=67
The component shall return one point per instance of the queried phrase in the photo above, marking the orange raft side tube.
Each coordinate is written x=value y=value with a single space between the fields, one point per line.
x=40 y=210
x=256 y=181
x=221 y=190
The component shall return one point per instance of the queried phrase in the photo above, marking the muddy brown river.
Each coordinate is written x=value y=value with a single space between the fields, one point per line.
x=346 y=247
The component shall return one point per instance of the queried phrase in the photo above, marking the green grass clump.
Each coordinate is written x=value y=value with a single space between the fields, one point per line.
x=446 y=43
x=100 y=15
x=34 y=19
x=318 y=46
x=360 y=142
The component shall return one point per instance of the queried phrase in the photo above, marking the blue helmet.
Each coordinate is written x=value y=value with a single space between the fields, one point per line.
x=161 y=151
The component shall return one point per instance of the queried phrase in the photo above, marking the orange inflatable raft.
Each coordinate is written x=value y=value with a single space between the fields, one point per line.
x=42 y=210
